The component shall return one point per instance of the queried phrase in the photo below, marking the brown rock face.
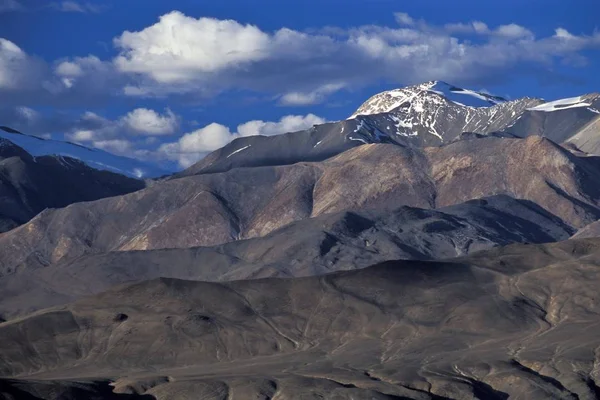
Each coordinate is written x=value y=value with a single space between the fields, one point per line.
x=217 y=208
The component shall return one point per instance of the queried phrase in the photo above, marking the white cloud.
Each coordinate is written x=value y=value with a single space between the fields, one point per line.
x=149 y=122
x=90 y=72
x=69 y=69
x=181 y=54
x=562 y=33
x=513 y=31
x=10 y=5
x=141 y=122
x=202 y=57
x=404 y=19
x=314 y=97
x=86 y=135
x=13 y=65
x=289 y=123
x=178 y=45
x=194 y=146
x=27 y=113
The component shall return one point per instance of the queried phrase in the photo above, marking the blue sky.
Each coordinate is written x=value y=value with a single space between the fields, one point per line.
x=170 y=81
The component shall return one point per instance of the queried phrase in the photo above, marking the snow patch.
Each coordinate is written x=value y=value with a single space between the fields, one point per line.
x=428 y=93
x=238 y=150
x=359 y=139
x=562 y=104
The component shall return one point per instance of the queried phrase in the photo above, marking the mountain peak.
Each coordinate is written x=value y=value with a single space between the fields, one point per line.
x=389 y=100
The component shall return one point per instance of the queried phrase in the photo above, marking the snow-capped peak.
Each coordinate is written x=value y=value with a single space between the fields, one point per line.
x=432 y=90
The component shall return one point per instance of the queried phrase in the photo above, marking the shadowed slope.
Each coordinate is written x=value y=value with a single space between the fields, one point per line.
x=485 y=326
x=312 y=246
x=213 y=209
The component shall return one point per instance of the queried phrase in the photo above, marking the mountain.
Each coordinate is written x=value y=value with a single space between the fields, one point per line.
x=243 y=203
x=313 y=246
x=572 y=121
x=29 y=185
x=589 y=231
x=430 y=114
x=315 y=144
x=496 y=325
x=435 y=112
x=95 y=158
x=390 y=100
x=438 y=244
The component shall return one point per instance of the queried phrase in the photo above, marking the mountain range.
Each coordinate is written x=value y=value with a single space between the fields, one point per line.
x=440 y=243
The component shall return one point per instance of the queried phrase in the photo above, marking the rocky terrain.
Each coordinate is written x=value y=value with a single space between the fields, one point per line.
x=441 y=243
x=29 y=185
x=509 y=322
x=331 y=242
x=212 y=209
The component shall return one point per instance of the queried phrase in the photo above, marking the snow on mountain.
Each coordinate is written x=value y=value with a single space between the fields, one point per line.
x=434 y=91
x=434 y=113
x=430 y=114
x=562 y=104
x=94 y=158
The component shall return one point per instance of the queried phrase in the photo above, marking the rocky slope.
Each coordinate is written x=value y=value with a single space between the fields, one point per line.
x=313 y=246
x=425 y=173
x=496 y=325
x=242 y=203
x=29 y=185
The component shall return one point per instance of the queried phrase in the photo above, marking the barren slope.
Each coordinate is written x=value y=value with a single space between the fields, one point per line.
x=242 y=203
x=516 y=321
x=332 y=242
x=30 y=184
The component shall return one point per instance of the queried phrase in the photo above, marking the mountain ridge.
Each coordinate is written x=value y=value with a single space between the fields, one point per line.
x=423 y=120
x=437 y=250
x=94 y=158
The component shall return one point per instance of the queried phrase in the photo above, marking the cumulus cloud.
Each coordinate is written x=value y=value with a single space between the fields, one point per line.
x=100 y=132
x=201 y=45
x=149 y=122
x=16 y=67
x=404 y=19
x=80 y=81
x=138 y=133
x=84 y=75
x=181 y=55
x=126 y=135
x=194 y=146
x=513 y=31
